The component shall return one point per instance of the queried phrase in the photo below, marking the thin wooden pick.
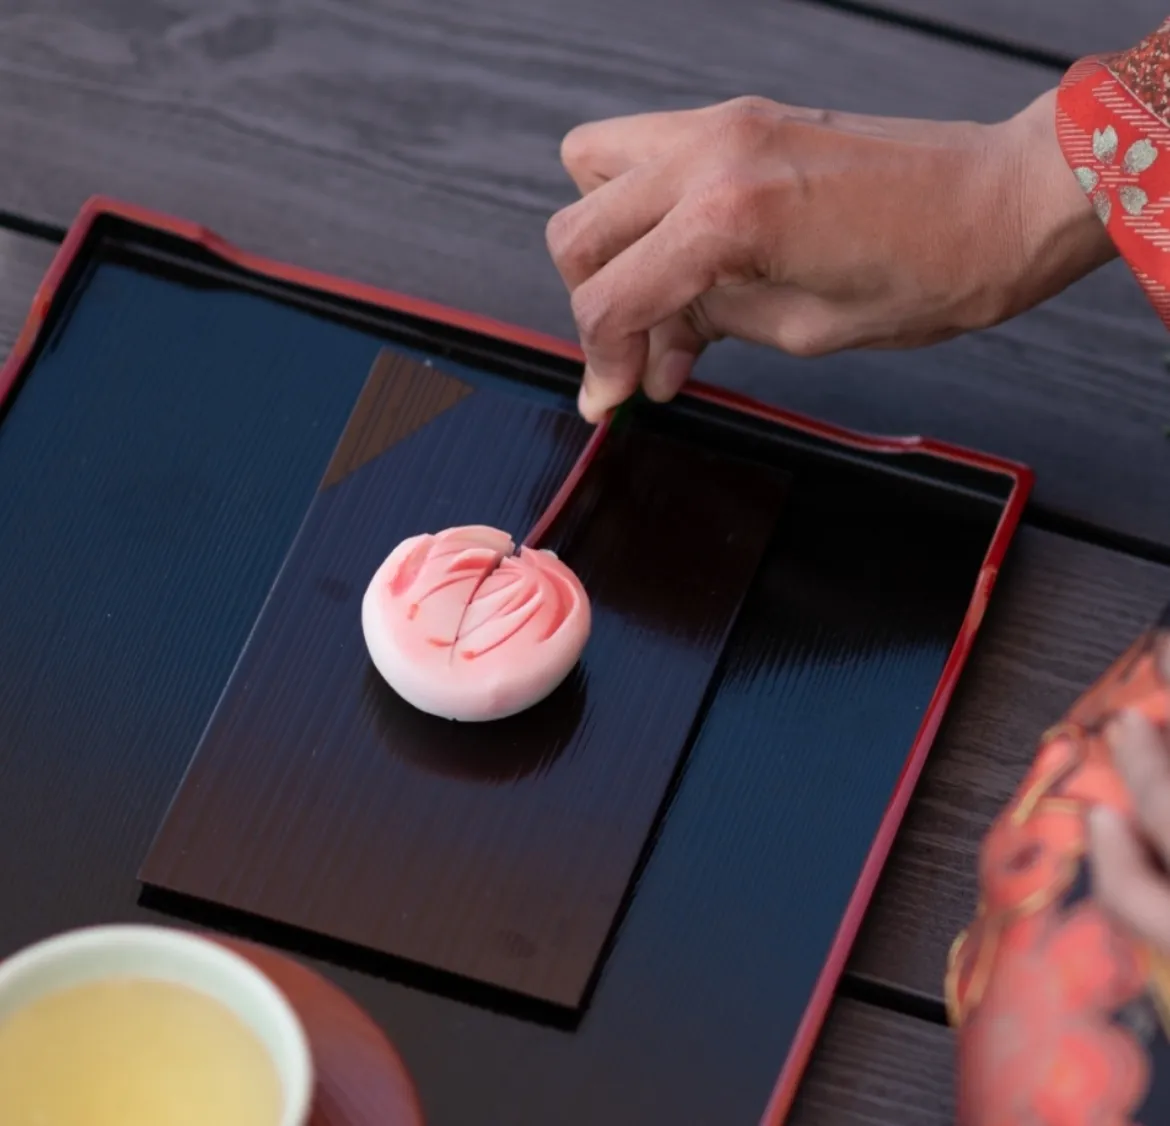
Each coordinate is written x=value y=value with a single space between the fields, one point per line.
x=564 y=494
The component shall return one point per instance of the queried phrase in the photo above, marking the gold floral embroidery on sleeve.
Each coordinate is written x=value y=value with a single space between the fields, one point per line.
x=1120 y=177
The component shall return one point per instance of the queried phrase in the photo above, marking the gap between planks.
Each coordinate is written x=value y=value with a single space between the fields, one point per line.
x=931 y=28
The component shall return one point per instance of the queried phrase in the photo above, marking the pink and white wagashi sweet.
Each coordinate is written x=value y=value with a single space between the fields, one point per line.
x=463 y=626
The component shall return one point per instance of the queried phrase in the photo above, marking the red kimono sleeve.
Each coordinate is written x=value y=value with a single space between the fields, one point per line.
x=1062 y=1017
x=1111 y=118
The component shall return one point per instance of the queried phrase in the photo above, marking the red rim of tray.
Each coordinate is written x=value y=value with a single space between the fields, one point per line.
x=1021 y=478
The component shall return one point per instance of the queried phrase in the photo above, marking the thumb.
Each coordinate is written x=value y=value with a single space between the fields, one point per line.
x=784 y=317
x=671 y=352
x=675 y=345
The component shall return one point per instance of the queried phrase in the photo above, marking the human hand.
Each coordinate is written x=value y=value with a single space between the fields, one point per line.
x=808 y=231
x=1130 y=858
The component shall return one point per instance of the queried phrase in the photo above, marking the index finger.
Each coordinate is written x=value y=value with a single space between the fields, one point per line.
x=603 y=150
x=645 y=285
x=600 y=151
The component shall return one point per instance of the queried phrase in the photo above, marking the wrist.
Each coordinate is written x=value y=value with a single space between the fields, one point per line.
x=1058 y=236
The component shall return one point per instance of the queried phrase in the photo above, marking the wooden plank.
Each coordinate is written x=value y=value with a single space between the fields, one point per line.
x=1064 y=611
x=415 y=146
x=873 y=1066
x=23 y=262
x=1085 y=27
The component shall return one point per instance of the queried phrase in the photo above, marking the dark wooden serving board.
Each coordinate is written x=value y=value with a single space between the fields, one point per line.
x=497 y=852
x=156 y=462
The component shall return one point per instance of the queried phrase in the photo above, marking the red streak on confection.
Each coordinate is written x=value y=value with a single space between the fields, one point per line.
x=564 y=597
x=471 y=654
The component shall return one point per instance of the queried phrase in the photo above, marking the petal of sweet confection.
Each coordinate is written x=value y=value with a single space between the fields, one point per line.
x=461 y=627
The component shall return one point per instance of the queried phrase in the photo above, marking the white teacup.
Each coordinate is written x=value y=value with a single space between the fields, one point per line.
x=94 y=954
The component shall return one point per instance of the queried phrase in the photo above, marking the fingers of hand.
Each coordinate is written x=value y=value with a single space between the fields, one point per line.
x=674 y=347
x=1125 y=881
x=600 y=151
x=600 y=394
x=668 y=223
x=672 y=350
x=784 y=317
x=647 y=284
x=583 y=240
x=1142 y=756
x=586 y=235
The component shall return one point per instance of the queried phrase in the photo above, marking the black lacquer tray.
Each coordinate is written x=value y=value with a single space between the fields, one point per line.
x=169 y=414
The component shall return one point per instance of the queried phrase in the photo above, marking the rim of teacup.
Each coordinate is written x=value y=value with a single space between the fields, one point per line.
x=295 y=1064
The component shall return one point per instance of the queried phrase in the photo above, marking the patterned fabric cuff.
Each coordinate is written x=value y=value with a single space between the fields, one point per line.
x=1111 y=120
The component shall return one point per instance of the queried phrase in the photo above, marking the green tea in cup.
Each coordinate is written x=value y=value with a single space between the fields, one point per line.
x=143 y=1026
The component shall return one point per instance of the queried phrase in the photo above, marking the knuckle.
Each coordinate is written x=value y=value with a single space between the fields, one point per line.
x=723 y=202
x=804 y=338
x=577 y=148
x=799 y=344
x=824 y=118
x=592 y=312
x=748 y=121
x=559 y=234
x=698 y=318
x=573 y=240
x=750 y=107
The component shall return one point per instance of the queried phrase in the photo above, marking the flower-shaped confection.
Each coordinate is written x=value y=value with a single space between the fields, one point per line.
x=463 y=627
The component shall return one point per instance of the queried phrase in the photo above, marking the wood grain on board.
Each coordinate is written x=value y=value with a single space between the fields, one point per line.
x=500 y=852
x=876 y=1067
x=23 y=262
x=1063 y=612
x=414 y=145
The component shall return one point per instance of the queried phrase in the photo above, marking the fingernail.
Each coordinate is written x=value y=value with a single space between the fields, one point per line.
x=672 y=371
x=588 y=409
x=585 y=396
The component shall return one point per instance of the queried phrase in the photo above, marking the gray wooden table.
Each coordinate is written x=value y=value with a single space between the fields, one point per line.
x=413 y=144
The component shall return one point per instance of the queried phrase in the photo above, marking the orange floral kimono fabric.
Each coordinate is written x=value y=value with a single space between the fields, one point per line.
x=1062 y=1017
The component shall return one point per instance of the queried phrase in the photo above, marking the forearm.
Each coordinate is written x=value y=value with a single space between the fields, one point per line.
x=1020 y=220
x=1062 y=237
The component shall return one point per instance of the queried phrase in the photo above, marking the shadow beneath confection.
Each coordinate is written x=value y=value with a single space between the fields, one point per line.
x=496 y=753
